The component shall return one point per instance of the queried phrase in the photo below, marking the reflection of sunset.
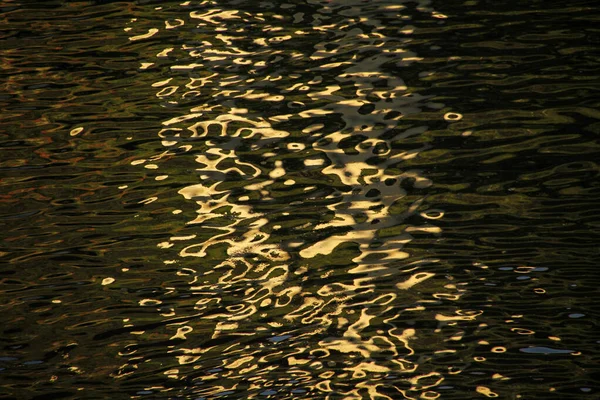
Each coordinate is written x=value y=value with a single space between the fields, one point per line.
x=320 y=258
x=312 y=199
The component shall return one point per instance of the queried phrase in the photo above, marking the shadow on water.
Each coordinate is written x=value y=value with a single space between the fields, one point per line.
x=344 y=200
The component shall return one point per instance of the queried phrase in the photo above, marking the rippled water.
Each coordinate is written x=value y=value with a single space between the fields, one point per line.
x=305 y=200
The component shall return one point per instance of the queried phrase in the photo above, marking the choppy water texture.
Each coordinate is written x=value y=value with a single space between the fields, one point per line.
x=306 y=200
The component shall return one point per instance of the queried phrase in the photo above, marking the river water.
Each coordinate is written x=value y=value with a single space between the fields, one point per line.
x=332 y=199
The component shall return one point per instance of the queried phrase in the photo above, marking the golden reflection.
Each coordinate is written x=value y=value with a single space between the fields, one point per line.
x=486 y=391
x=297 y=271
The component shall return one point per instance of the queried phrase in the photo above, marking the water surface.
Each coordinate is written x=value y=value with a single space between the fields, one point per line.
x=311 y=200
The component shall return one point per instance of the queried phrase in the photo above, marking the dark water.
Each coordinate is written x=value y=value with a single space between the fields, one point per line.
x=304 y=200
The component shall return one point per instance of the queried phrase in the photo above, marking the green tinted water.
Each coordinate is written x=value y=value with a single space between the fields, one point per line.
x=308 y=200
